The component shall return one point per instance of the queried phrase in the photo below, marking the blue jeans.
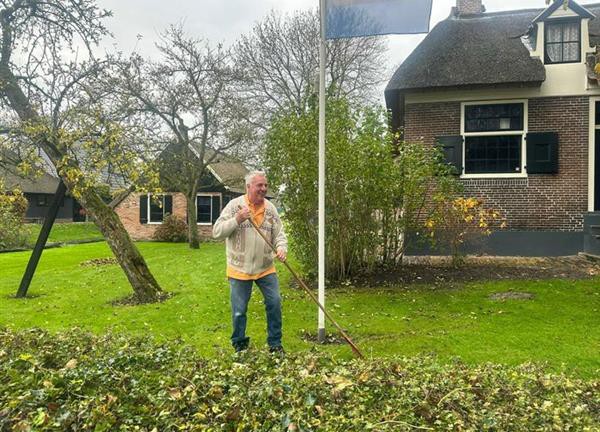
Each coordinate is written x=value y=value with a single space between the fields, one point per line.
x=240 y=291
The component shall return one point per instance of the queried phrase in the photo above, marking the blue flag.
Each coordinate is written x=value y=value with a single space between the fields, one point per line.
x=352 y=18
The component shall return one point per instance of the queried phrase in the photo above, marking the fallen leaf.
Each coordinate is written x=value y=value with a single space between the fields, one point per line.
x=175 y=393
x=71 y=364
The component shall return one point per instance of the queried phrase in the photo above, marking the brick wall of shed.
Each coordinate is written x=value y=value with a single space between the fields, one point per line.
x=128 y=211
x=540 y=201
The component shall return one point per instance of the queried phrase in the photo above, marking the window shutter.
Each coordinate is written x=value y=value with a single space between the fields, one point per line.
x=452 y=146
x=168 y=205
x=143 y=209
x=542 y=153
x=226 y=199
x=216 y=207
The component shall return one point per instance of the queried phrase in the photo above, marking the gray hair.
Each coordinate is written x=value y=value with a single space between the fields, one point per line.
x=253 y=174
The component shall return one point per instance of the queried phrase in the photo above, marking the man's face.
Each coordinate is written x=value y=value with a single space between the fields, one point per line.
x=257 y=189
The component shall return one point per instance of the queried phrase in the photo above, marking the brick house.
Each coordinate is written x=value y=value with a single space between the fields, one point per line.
x=513 y=99
x=142 y=213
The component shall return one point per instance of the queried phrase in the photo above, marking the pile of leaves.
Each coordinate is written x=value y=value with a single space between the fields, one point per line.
x=97 y=262
x=77 y=381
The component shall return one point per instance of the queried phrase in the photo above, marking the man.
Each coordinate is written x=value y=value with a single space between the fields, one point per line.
x=250 y=260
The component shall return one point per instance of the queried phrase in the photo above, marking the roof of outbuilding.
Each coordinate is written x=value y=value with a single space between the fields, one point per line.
x=44 y=184
x=229 y=171
x=476 y=51
x=230 y=174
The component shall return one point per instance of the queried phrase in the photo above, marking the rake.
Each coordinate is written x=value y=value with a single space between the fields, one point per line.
x=355 y=349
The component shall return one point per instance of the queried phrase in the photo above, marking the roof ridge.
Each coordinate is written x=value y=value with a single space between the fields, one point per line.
x=511 y=12
x=496 y=13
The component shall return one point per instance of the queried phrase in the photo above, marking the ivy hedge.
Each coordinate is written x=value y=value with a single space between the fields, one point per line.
x=75 y=381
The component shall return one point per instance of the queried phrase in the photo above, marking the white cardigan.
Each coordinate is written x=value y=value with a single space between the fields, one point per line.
x=247 y=252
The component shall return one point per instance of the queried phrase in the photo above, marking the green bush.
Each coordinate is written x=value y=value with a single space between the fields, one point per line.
x=376 y=190
x=13 y=231
x=173 y=229
x=76 y=381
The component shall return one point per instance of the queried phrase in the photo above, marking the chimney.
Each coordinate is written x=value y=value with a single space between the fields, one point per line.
x=469 y=7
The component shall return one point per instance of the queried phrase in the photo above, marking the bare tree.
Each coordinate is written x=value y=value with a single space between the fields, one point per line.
x=185 y=104
x=49 y=104
x=280 y=60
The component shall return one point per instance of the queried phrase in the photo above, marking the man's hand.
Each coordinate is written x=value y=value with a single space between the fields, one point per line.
x=281 y=255
x=242 y=215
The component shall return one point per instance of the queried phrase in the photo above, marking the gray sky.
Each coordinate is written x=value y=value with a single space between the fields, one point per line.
x=225 y=20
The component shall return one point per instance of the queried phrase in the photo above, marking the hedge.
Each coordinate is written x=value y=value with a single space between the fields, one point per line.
x=75 y=381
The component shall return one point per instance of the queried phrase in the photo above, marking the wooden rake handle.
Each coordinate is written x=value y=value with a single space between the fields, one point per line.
x=355 y=349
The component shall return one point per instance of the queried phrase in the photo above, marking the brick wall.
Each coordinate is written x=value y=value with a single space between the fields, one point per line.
x=129 y=212
x=540 y=201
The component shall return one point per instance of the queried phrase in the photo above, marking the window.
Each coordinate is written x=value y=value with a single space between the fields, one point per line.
x=46 y=200
x=43 y=201
x=493 y=154
x=204 y=209
x=493 y=138
x=562 y=42
x=159 y=206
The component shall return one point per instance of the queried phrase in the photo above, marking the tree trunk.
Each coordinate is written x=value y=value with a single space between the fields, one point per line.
x=145 y=287
x=192 y=216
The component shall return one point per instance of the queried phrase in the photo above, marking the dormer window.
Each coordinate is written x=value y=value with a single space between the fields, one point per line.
x=562 y=41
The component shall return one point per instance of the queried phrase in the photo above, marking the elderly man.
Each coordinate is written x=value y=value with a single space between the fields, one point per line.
x=250 y=260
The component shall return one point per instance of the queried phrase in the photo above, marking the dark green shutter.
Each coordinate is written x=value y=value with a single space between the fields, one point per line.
x=216 y=207
x=168 y=205
x=542 y=153
x=143 y=209
x=226 y=199
x=452 y=146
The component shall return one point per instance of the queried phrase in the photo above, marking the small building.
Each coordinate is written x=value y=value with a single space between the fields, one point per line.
x=141 y=214
x=39 y=192
x=513 y=98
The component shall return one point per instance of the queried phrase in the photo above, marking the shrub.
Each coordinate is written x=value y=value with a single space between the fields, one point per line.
x=376 y=190
x=13 y=231
x=76 y=381
x=463 y=221
x=173 y=229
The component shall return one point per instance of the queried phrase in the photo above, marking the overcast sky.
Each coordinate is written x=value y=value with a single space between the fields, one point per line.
x=225 y=20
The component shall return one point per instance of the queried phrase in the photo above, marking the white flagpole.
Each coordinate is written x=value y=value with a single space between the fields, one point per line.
x=322 y=54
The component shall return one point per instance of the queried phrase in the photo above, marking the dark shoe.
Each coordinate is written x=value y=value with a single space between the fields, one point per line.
x=277 y=350
x=241 y=345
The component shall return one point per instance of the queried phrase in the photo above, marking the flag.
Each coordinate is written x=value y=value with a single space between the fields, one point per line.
x=353 y=18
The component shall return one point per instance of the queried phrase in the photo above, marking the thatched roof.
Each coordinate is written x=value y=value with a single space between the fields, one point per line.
x=480 y=50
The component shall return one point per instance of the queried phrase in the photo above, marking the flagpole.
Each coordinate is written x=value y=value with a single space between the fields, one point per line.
x=321 y=285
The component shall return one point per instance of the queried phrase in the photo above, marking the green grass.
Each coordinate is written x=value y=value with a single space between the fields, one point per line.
x=67 y=232
x=561 y=326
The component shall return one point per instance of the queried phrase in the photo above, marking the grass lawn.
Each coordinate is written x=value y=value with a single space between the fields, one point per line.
x=66 y=232
x=560 y=326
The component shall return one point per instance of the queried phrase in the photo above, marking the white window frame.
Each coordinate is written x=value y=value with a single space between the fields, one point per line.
x=592 y=153
x=207 y=194
x=523 y=133
x=560 y=21
x=148 y=209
